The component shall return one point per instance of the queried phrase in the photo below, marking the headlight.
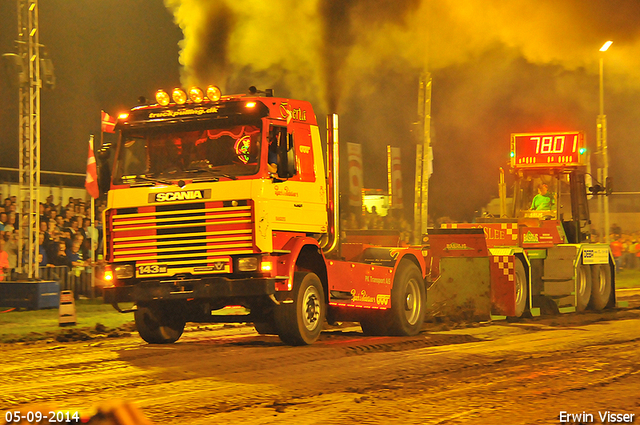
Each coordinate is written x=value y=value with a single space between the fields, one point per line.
x=124 y=271
x=247 y=264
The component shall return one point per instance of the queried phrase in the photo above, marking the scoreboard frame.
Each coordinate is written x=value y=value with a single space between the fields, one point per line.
x=548 y=150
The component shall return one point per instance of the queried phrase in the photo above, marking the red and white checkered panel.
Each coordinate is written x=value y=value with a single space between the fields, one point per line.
x=506 y=263
x=511 y=229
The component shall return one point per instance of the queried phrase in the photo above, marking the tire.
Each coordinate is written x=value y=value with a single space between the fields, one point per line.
x=408 y=301
x=522 y=289
x=265 y=328
x=375 y=326
x=157 y=324
x=300 y=322
x=600 y=286
x=583 y=287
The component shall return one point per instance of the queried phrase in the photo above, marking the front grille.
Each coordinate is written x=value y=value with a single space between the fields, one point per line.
x=181 y=236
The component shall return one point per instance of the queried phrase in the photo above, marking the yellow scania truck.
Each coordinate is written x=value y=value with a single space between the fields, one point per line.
x=224 y=200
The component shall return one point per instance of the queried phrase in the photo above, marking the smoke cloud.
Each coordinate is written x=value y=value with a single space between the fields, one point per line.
x=498 y=67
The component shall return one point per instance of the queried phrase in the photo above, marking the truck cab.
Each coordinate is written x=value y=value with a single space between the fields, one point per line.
x=204 y=194
x=554 y=194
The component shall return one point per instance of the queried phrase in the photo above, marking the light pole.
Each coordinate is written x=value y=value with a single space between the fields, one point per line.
x=603 y=166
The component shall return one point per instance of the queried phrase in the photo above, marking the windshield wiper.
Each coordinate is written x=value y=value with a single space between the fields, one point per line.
x=153 y=180
x=211 y=172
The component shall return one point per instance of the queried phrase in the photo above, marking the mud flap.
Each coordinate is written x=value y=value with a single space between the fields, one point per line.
x=463 y=290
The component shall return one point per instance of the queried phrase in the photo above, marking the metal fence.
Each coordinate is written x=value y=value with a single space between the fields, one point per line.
x=76 y=279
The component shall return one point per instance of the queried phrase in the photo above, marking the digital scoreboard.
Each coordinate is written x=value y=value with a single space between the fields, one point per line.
x=544 y=150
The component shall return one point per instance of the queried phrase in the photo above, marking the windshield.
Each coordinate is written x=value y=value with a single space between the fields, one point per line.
x=182 y=150
x=537 y=196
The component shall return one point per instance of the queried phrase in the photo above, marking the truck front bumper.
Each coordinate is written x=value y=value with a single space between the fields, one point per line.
x=205 y=288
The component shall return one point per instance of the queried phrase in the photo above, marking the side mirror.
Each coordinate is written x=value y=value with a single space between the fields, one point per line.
x=104 y=169
x=595 y=189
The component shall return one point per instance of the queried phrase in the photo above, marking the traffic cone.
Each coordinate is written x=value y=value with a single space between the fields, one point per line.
x=67 y=310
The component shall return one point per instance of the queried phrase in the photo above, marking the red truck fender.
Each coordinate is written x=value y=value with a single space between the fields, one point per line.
x=410 y=254
x=304 y=252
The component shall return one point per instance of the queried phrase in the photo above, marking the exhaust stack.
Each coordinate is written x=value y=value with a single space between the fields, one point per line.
x=333 y=186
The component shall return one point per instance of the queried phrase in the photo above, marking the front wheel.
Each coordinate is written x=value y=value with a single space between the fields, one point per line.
x=266 y=327
x=521 y=289
x=157 y=324
x=300 y=322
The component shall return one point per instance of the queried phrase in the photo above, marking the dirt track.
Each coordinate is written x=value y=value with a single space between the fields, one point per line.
x=503 y=373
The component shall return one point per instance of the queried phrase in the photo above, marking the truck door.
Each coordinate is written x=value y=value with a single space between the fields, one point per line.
x=580 y=207
x=282 y=152
x=574 y=210
x=297 y=199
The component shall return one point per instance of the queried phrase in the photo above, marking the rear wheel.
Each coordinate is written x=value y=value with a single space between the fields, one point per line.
x=157 y=324
x=408 y=300
x=583 y=287
x=521 y=289
x=375 y=325
x=300 y=322
x=600 y=286
x=408 y=305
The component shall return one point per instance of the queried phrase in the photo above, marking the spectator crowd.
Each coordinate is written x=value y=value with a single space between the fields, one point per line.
x=66 y=235
x=625 y=248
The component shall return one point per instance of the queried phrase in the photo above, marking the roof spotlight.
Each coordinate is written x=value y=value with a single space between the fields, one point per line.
x=179 y=96
x=162 y=97
x=213 y=93
x=196 y=95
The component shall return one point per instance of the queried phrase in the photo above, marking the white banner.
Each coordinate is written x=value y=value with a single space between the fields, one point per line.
x=395 y=176
x=354 y=156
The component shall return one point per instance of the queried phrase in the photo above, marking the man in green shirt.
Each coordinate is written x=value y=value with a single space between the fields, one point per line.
x=542 y=201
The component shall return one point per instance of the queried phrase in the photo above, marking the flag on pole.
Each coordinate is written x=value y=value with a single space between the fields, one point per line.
x=91 y=182
x=108 y=123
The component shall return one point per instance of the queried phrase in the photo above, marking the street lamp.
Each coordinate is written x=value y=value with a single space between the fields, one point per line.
x=603 y=166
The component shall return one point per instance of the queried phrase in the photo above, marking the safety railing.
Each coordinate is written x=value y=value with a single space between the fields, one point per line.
x=77 y=279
